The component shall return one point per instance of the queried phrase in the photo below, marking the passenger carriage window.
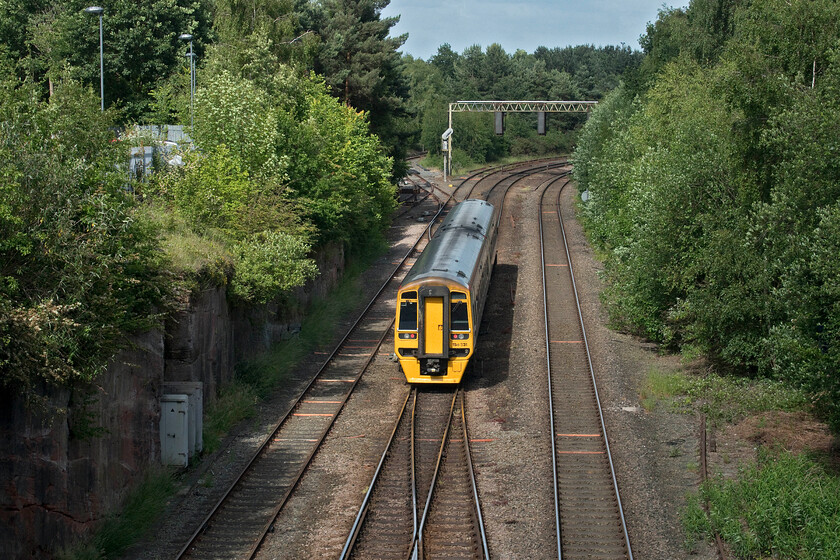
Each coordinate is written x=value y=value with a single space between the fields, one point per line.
x=408 y=316
x=458 y=312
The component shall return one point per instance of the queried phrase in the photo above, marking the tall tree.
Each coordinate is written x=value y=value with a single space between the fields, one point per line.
x=362 y=67
x=444 y=60
x=140 y=38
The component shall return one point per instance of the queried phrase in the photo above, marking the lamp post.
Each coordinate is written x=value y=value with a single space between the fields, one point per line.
x=188 y=37
x=96 y=10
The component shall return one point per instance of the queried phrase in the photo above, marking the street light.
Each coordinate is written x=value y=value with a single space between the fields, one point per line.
x=188 y=37
x=96 y=10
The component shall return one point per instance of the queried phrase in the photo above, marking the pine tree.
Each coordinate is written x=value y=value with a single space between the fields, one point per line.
x=362 y=67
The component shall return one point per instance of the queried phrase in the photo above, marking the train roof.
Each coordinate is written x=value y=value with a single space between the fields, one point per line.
x=453 y=251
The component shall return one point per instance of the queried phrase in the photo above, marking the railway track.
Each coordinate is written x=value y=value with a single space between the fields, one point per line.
x=422 y=501
x=589 y=516
x=238 y=523
x=393 y=521
x=513 y=172
x=240 y=520
x=454 y=526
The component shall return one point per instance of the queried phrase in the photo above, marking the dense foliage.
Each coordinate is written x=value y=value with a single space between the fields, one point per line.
x=140 y=43
x=77 y=269
x=278 y=167
x=363 y=69
x=282 y=166
x=715 y=189
x=571 y=73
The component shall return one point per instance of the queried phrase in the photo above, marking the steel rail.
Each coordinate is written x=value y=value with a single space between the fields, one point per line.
x=360 y=517
x=491 y=170
x=418 y=535
x=267 y=527
x=550 y=393
x=592 y=375
x=507 y=167
x=264 y=445
x=418 y=520
x=412 y=447
x=472 y=479
x=522 y=177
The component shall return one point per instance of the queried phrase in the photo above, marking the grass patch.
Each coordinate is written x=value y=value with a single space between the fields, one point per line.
x=784 y=506
x=119 y=531
x=195 y=260
x=256 y=379
x=722 y=399
x=660 y=386
x=235 y=402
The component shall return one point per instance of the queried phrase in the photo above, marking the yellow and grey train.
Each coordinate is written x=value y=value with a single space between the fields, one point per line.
x=441 y=299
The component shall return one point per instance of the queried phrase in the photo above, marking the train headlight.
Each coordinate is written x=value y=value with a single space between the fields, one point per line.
x=460 y=336
x=408 y=335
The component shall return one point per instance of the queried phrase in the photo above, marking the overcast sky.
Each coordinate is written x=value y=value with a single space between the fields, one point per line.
x=526 y=24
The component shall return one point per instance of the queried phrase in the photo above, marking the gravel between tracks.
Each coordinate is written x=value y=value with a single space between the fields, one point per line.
x=655 y=452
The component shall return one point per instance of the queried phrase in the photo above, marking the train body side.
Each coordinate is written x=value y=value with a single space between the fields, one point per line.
x=441 y=300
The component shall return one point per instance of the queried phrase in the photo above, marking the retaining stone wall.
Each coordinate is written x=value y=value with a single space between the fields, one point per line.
x=56 y=488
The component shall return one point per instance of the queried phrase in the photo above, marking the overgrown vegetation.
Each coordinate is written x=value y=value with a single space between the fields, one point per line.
x=783 y=506
x=715 y=190
x=87 y=256
x=722 y=399
x=78 y=269
x=714 y=196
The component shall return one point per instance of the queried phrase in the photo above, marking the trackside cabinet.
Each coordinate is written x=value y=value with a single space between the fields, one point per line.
x=194 y=390
x=174 y=430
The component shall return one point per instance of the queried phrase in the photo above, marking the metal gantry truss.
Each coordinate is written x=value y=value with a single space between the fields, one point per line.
x=520 y=107
x=506 y=107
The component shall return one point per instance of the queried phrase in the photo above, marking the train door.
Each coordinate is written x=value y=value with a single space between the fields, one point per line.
x=434 y=330
x=433 y=325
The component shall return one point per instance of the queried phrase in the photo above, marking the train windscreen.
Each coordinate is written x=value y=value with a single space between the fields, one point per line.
x=408 y=316
x=458 y=312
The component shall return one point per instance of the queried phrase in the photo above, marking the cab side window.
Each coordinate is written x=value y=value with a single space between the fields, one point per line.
x=458 y=312
x=408 y=312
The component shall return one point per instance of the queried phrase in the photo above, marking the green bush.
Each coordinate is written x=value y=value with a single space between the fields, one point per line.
x=306 y=153
x=785 y=506
x=714 y=189
x=269 y=264
x=211 y=191
x=79 y=269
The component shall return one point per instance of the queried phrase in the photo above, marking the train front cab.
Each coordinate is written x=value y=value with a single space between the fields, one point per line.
x=434 y=339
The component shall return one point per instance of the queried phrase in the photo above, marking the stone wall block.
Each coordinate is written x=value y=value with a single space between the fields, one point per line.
x=199 y=342
x=57 y=485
